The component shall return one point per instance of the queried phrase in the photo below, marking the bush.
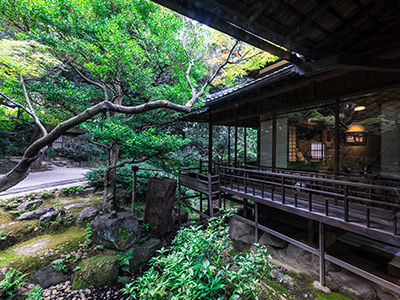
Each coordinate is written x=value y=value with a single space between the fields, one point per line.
x=124 y=181
x=11 y=281
x=200 y=266
x=78 y=149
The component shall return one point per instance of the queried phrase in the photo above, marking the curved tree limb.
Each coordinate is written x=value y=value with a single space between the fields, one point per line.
x=32 y=112
x=208 y=82
x=21 y=170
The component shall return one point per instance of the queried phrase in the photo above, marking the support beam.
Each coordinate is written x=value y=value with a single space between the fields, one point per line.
x=245 y=144
x=229 y=145
x=274 y=142
x=321 y=254
x=236 y=144
x=210 y=145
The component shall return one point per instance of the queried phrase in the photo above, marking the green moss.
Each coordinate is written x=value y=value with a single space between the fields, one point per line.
x=333 y=296
x=96 y=271
x=28 y=263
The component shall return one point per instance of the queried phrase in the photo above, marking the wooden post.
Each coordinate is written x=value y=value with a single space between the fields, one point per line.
x=179 y=203
x=201 y=205
x=229 y=146
x=210 y=146
x=321 y=254
x=337 y=133
x=210 y=203
x=256 y=222
x=245 y=144
x=236 y=145
x=134 y=170
x=273 y=142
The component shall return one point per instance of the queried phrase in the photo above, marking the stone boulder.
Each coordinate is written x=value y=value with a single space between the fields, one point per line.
x=96 y=271
x=50 y=216
x=88 y=213
x=143 y=252
x=36 y=214
x=30 y=205
x=160 y=198
x=240 y=231
x=270 y=240
x=47 y=277
x=352 y=285
x=117 y=231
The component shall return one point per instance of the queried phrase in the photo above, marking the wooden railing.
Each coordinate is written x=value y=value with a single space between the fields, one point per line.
x=372 y=201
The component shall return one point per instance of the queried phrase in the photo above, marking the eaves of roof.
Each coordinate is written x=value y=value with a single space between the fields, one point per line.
x=281 y=75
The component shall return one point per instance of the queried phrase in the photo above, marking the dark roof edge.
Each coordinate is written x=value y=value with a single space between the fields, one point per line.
x=271 y=78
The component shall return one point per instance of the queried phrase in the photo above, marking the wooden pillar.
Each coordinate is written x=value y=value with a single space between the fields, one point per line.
x=236 y=144
x=210 y=203
x=337 y=138
x=179 y=202
x=210 y=146
x=321 y=254
x=273 y=141
x=201 y=205
x=245 y=143
x=229 y=145
x=258 y=145
x=134 y=170
x=256 y=222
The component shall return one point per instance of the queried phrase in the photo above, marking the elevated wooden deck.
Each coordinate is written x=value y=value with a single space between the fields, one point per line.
x=367 y=210
x=364 y=209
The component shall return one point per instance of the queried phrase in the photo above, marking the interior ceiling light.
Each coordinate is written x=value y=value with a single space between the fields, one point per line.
x=359 y=108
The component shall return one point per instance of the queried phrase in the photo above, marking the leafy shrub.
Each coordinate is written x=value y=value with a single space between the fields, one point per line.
x=78 y=149
x=124 y=181
x=59 y=265
x=36 y=293
x=11 y=281
x=72 y=190
x=200 y=266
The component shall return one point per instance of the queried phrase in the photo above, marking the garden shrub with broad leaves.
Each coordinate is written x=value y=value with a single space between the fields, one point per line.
x=200 y=265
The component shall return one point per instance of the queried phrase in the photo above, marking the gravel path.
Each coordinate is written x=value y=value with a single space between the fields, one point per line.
x=42 y=180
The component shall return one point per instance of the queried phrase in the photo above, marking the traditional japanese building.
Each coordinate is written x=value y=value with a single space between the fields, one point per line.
x=326 y=176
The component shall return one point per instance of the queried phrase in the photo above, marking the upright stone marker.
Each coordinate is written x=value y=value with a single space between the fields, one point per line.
x=160 y=200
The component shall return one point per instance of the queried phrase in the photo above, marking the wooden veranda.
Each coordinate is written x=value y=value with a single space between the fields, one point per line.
x=363 y=209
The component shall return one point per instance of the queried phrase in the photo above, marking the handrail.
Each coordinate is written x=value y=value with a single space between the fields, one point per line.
x=332 y=181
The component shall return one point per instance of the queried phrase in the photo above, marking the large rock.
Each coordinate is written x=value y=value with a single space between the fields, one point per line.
x=88 y=213
x=30 y=205
x=47 y=277
x=270 y=240
x=49 y=216
x=36 y=214
x=240 y=231
x=118 y=231
x=352 y=285
x=142 y=253
x=96 y=271
x=160 y=198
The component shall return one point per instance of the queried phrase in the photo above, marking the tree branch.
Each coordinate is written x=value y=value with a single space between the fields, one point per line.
x=21 y=170
x=88 y=80
x=33 y=114
x=208 y=82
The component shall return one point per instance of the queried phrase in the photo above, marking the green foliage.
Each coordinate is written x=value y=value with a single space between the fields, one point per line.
x=11 y=281
x=72 y=190
x=59 y=265
x=145 y=226
x=200 y=266
x=15 y=135
x=79 y=150
x=36 y=293
x=124 y=181
x=124 y=258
